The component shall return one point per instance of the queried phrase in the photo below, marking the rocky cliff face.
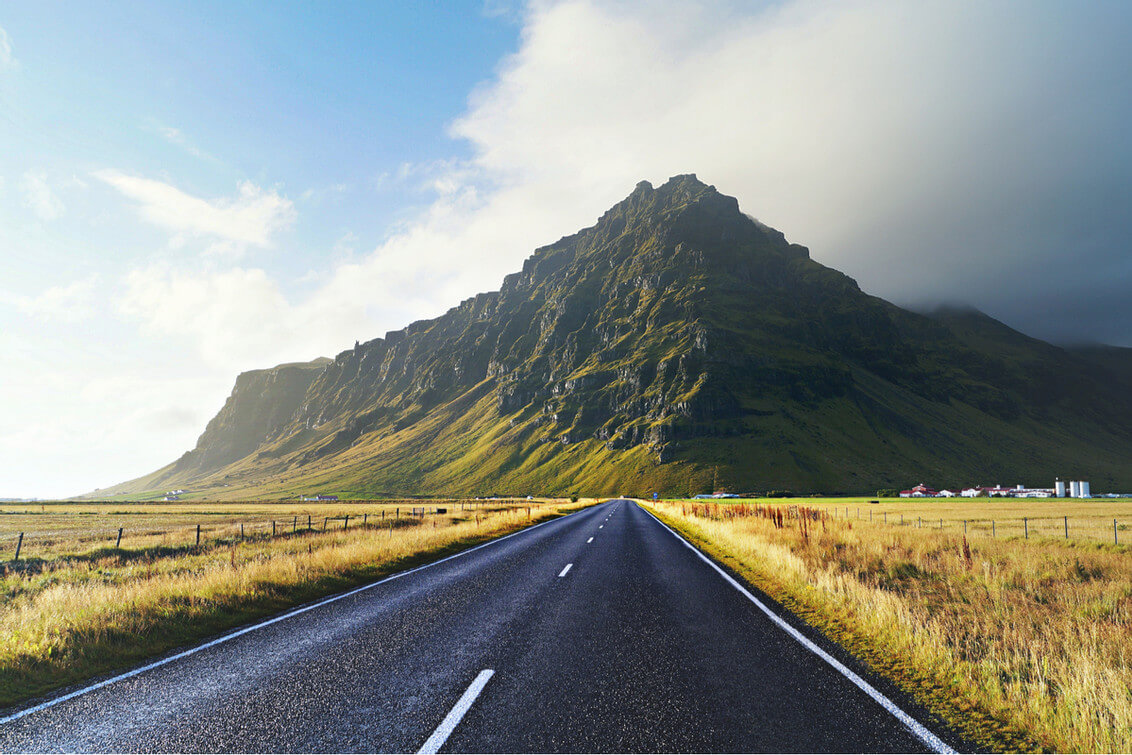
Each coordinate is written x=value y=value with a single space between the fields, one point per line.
x=262 y=403
x=676 y=335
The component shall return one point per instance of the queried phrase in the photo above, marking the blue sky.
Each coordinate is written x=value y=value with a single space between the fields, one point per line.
x=283 y=95
x=189 y=190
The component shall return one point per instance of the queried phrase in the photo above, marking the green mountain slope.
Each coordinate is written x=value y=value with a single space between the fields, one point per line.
x=674 y=345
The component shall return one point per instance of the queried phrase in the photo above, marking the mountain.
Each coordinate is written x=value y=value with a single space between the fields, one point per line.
x=675 y=345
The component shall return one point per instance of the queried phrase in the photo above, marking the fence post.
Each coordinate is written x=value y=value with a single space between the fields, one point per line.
x=992 y=528
x=294 y=524
x=198 y=535
x=19 y=544
x=941 y=523
x=919 y=522
x=1115 y=541
x=308 y=521
x=964 y=528
x=365 y=519
x=325 y=519
x=119 y=542
x=1067 y=526
x=241 y=530
x=273 y=528
x=1026 y=527
x=886 y=517
x=346 y=524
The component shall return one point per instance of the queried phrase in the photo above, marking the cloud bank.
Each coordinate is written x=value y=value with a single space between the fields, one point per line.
x=936 y=151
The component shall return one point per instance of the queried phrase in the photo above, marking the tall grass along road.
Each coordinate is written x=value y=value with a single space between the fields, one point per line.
x=76 y=606
x=1022 y=643
x=598 y=631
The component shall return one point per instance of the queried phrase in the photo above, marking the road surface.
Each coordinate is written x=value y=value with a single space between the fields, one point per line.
x=601 y=631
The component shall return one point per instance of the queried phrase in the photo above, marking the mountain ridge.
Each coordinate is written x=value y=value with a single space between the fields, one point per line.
x=676 y=340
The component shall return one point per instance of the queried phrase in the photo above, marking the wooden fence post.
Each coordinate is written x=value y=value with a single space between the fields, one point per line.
x=365 y=519
x=119 y=542
x=198 y=535
x=964 y=528
x=325 y=519
x=295 y=524
x=1026 y=527
x=308 y=521
x=241 y=530
x=273 y=528
x=1067 y=527
x=992 y=528
x=346 y=524
x=19 y=544
x=1115 y=541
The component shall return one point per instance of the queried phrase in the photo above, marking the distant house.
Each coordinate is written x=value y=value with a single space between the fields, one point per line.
x=971 y=492
x=946 y=494
x=920 y=491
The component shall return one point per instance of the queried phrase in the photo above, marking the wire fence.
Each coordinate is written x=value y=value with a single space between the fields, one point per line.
x=1040 y=527
x=76 y=541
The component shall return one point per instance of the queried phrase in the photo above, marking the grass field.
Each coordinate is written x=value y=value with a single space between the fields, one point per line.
x=74 y=606
x=1019 y=643
x=1039 y=519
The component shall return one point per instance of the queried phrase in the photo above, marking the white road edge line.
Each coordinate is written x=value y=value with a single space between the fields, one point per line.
x=922 y=732
x=452 y=720
x=590 y=540
x=241 y=632
x=563 y=574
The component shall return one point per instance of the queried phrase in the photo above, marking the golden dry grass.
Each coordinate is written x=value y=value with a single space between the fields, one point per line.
x=69 y=617
x=1020 y=644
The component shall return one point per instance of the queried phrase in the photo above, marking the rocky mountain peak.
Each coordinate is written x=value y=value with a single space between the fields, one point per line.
x=675 y=332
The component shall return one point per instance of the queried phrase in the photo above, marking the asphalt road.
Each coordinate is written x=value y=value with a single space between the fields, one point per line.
x=597 y=632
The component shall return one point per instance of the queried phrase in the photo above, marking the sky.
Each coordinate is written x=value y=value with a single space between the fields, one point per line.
x=191 y=190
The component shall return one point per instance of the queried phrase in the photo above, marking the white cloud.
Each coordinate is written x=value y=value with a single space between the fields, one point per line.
x=39 y=197
x=6 y=58
x=251 y=218
x=232 y=318
x=177 y=138
x=68 y=303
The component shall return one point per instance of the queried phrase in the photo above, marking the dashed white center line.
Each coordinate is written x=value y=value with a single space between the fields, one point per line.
x=563 y=574
x=590 y=540
x=452 y=720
